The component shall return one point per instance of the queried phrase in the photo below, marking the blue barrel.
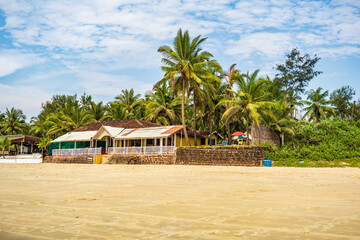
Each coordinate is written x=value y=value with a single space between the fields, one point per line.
x=267 y=163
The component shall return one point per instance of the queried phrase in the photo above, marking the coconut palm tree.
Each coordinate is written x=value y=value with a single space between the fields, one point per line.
x=14 y=122
x=229 y=79
x=66 y=120
x=317 y=105
x=96 y=111
x=43 y=144
x=249 y=101
x=130 y=101
x=115 y=111
x=185 y=62
x=5 y=144
x=280 y=119
x=163 y=107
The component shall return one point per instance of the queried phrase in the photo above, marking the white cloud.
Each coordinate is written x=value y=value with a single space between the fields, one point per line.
x=25 y=98
x=98 y=83
x=13 y=60
x=268 y=45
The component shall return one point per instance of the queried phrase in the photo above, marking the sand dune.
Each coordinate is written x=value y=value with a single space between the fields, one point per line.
x=60 y=201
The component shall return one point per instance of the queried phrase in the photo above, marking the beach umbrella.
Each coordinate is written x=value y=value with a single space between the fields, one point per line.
x=238 y=134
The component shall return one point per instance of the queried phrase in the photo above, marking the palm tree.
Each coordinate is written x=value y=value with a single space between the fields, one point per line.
x=280 y=119
x=163 y=107
x=129 y=101
x=317 y=105
x=38 y=126
x=96 y=111
x=186 y=62
x=43 y=144
x=249 y=101
x=229 y=79
x=66 y=120
x=14 y=122
x=115 y=111
x=5 y=144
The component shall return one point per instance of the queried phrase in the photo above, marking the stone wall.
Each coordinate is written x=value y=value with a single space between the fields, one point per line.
x=231 y=156
x=263 y=134
x=87 y=159
x=142 y=159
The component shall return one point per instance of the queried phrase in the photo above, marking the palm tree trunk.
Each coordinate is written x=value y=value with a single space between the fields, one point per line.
x=194 y=107
x=282 y=138
x=227 y=121
x=183 y=113
x=210 y=127
x=247 y=128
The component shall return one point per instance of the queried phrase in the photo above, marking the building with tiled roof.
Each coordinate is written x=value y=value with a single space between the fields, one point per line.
x=119 y=135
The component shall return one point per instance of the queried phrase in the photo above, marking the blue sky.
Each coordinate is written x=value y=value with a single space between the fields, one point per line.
x=101 y=47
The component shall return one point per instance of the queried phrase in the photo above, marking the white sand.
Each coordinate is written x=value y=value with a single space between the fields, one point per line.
x=68 y=201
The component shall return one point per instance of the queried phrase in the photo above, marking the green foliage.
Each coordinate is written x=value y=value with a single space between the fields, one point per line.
x=297 y=71
x=329 y=142
x=5 y=144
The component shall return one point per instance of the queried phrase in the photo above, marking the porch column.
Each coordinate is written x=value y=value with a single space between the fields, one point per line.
x=74 y=144
x=166 y=141
x=21 y=148
x=161 y=145
x=106 y=143
x=174 y=140
x=31 y=148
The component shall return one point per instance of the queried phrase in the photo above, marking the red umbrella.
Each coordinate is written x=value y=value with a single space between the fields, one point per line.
x=238 y=134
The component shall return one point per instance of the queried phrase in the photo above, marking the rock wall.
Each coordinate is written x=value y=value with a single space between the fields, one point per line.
x=87 y=159
x=162 y=159
x=232 y=156
x=229 y=156
x=263 y=134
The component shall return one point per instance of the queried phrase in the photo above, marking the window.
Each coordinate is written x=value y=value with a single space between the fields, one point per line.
x=149 y=142
x=202 y=141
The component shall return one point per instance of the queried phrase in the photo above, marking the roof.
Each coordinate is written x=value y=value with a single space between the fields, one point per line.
x=108 y=131
x=21 y=138
x=128 y=123
x=150 y=132
x=76 y=136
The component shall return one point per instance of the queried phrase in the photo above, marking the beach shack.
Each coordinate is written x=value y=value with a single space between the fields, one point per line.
x=131 y=136
x=23 y=144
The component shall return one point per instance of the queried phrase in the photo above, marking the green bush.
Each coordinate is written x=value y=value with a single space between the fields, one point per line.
x=332 y=143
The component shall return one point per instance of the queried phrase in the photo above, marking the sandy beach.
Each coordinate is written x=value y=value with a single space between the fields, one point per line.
x=70 y=201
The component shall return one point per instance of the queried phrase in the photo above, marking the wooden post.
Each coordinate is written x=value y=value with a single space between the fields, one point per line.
x=175 y=140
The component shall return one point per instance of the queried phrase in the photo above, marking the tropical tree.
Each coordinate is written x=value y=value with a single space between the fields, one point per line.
x=43 y=144
x=341 y=100
x=318 y=105
x=5 y=144
x=14 y=122
x=130 y=102
x=97 y=111
x=249 y=101
x=186 y=62
x=297 y=71
x=281 y=119
x=66 y=120
x=229 y=79
x=163 y=106
x=115 y=111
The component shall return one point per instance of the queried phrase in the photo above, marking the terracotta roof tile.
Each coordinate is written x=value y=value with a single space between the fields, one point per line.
x=125 y=134
x=172 y=130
